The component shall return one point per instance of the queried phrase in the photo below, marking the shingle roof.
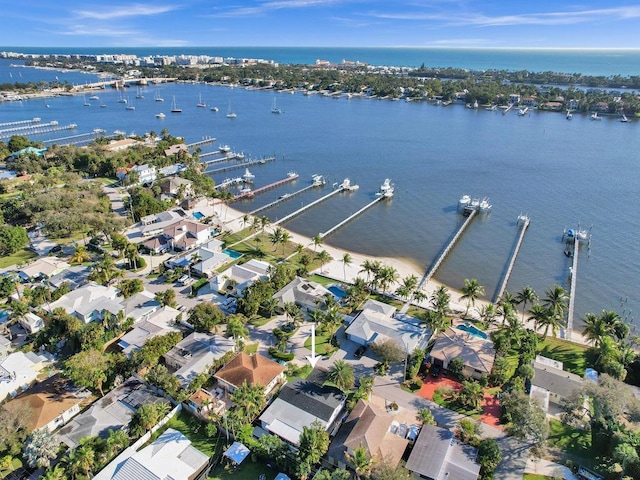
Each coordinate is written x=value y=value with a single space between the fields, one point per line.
x=254 y=369
x=475 y=352
x=555 y=380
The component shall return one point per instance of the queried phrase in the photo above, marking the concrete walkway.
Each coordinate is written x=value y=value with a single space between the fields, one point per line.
x=550 y=469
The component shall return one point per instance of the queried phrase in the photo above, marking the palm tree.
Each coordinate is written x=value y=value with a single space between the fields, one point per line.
x=360 y=460
x=471 y=291
x=55 y=473
x=341 y=375
x=539 y=313
x=439 y=300
x=487 y=314
x=245 y=220
x=131 y=252
x=248 y=400
x=292 y=312
x=264 y=223
x=526 y=296
x=236 y=329
x=387 y=275
x=346 y=260
x=368 y=267
x=317 y=241
x=80 y=255
x=324 y=258
x=285 y=237
x=615 y=324
x=556 y=301
x=594 y=329
x=275 y=237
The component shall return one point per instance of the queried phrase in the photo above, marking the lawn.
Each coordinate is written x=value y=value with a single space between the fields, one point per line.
x=322 y=342
x=195 y=430
x=572 y=355
x=250 y=348
x=535 y=476
x=246 y=470
x=21 y=256
x=452 y=405
x=571 y=440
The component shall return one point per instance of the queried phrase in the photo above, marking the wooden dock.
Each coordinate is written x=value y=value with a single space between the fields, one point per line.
x=204 y=141
x=572 y=288
x=523 y=221
x=289 y=178
x=304 y=208
x=19 y=122
x=249 y=163
x=289 y=196
x=350 y=217
x=227 y=157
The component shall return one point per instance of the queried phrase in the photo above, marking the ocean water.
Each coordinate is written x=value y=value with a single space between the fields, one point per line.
x=561 y=173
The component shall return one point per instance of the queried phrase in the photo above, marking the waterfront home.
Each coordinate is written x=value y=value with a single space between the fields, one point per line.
x=299 y=404
x=379 y=321
x=53 y=402
x=176 y=187
x=437 y=455
x=253 y=369
x=371 y=428
x=160 y=322
x=186 y=234
x=42 y=269
x=551 y=384
x=89 y=302
x=477 y=353
x=236 y=278
x=31 y=322
x=18 y=371
x=162 y=219
x=176 y=149
x=211 y=257
x=147 y=174
x=170 y=456
x=111 y=412
x=306 y=294
x=195 y=354
x=119 y=145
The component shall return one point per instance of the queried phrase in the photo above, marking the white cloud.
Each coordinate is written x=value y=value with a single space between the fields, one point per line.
x=124 y=11
x=276 y=5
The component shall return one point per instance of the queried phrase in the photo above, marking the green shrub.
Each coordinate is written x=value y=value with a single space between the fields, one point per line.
x=278 y=355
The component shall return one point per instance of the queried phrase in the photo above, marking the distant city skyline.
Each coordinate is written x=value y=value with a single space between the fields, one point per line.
x=322 y=23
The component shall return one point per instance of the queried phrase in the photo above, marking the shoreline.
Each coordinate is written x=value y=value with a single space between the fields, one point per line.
x=336 y=270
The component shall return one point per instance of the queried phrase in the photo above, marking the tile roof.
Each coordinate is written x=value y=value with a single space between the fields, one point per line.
x=475 y=352
x=254 y=369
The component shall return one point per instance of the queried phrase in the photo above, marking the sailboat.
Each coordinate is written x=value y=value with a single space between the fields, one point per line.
x=201 y=104
x=274 y=107
x=86 y=103
x=129 y=106
x=139 y=94
x=174 y=107
x=231 y=113
x=157 y=97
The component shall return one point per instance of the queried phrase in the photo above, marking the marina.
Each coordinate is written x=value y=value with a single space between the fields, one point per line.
x=318 y=181
x=291 y=176
x=523 y=222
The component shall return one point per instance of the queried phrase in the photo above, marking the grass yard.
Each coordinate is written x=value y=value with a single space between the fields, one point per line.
x=572 y=355
x=452 y=405
x=195 y=430
x=250 y=348
x=535 y=476
x=21 y=256
x=322 y=342
x=245 y=471
x=571 y=440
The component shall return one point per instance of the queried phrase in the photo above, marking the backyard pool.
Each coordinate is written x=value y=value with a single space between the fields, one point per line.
x=467 y=327
x=232 y=253
x=337 y=291
x=198 y=215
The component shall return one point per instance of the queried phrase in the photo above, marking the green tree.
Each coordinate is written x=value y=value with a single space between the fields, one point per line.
x=80 y=255
x=489 y=456
x=470 y=395
x=205 y=317
x=471 y=291
x=88 y=368
x=426 y=416
x=525 y=418
x=314 y=443
x=526 y=296
x=388 y=350
x=40 y=448
x=236 y=329
x=360 y=460
x=323 y=257
x=130 y=287
x=166 y=298
x=146 y=417
x=341 y=375
x=12 y=239
x=346 y=260
x=248 y=401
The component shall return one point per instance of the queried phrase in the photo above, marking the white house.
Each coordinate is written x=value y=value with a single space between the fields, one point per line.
x=147 y=173
x=42 y=268
x=304 y=293
x=236 y=278
x=212 y=257
x=160 y=322
x=551 y=384
x=31 y=322
x=18 y=371
x=186 y=234
x=89 y=302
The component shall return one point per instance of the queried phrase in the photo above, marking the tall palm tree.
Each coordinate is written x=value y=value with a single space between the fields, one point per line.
x=387 y=275
x=595 y=329
x=471 y=291
x=539 y=313
x=264 y=223
x=317 y=241
x=360 y=460
x=487 y=314
x=285 y=237
x=346 y=260
x=80 y=255
x=440 y=301
x=324 y=258
x=615 y=324
x=368 y=267
x=557 y=302
x=275 y=237
x=248 y=400
x=341 y=375
x=526 y=296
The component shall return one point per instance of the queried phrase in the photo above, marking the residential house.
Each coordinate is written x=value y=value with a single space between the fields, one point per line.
x=530 y=101
x=42 y=268
x=551 y=384
x=147 y=174
x=140 y=306
x=195 y=354
x=52 y=402
x=157 y=245
x=253 y=369
x=18 y=371
x=306 y=294
x=162 y=219
x=371 y=428
x=514 y=99
x=118 y=145
x=600 y=107
x=160 y=322
x=176 y=186
x=75 y=276
x=211 y=257
x=111 y=412
x=438 y=455
x=31 y=323
x=379 y=321
x=170 y=456
x=477 y=353
x=173 y=169
x=5 y=347
x=236 y=278
x=89 y=302
x=175 y=149
x=186 y=234
x=299 y=404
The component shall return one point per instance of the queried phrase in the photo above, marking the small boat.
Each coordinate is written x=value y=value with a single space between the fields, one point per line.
x=464 y=202
x=200 y=103
x=94 y=97
x=485 y=206
x=122 y=99
x=492 y=108
x=318 y=180
x=157 y=97
x=103 y=106
x=160 y=115
x=224 y=148
x=231 y=113
x=386 y=189
x=174 y=106
x=214 y=109
x=569 y=115
x=86 y=103
x=248 y=176
x=274 y=107
x=624 y=118
x=523 y=111
x=594 y=116
x=245 y=190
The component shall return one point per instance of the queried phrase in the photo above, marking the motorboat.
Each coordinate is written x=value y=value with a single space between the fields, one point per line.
x=248 y=176
x=386 y=189
x=94 y=97
x=464 y=202
x=224 y=148
x=569 y=115
x=485 y=206
x=624 y=118
x=160 y=115
x=595 y=116
x=523 y=111
x=214 y=109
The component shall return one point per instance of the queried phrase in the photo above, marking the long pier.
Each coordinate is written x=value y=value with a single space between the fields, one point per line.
x=289 y=196
x=204 y=141
x=81 y=137
x=572 y=288
x=343 y=187
x=39 y=129
x=289 y=178
x=427 y=276
x=523 y=221
x=350 y=217
x=20 y=122
x=262 y=161
x=228 y=182
x=228 y=157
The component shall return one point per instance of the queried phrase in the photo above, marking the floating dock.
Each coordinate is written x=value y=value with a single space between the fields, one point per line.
x=251 y=193
x=249 y=163
x=318 y=181
x=523 y=221
x=345 y=186
x=573 y=239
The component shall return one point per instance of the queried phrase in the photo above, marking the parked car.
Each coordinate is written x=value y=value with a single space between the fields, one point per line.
x=185 y=280
x=360 y=351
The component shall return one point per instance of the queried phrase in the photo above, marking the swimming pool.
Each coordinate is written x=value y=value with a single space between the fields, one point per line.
x=467 y=327
x=337 y=291
x=198 y=215
x=232 y=253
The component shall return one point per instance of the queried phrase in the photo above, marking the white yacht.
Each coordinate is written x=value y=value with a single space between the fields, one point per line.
x=386 y=189
x=157 y=97
x=160 y=115
x=594 y=116
x=248 y=176
x=231 y=113
x=274 y=107
x=485 y=206
x=200 y=103
x=224 y=148
x=214 y=109
x=464 y=201
x=624 y=118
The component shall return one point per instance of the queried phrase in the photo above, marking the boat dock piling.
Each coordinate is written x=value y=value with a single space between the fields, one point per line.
x=447 y=249
x=286 y=197
x=75 y=139
x=343 y=187
x=20 y=122
x=204 y=141
x=523 y=222
x=350 y=217
x=262 y=161
x=289 y=178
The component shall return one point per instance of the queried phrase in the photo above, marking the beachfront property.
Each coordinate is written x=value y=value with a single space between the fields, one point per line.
x=306 y=294
x=18 y=371
x=186 y=235
x=371 y=428
x=253 y=369
x=299 y=404
x=236 y=278
x=477 y=353
x=195 y=354
x=111 y=412
x=379 y=321
x=176 y=149
x=53 y=402
x=437 y=455
x=162 y=220
x=159 y=322
x=41 y=269
x=89 y=302
x=551 y=384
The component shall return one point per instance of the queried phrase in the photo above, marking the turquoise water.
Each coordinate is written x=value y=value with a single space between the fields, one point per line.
x=198 y=215
x=337 y=291
x=472 y=330
x=232 y=253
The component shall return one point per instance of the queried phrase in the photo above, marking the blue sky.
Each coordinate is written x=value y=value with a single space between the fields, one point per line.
x=352 y=23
